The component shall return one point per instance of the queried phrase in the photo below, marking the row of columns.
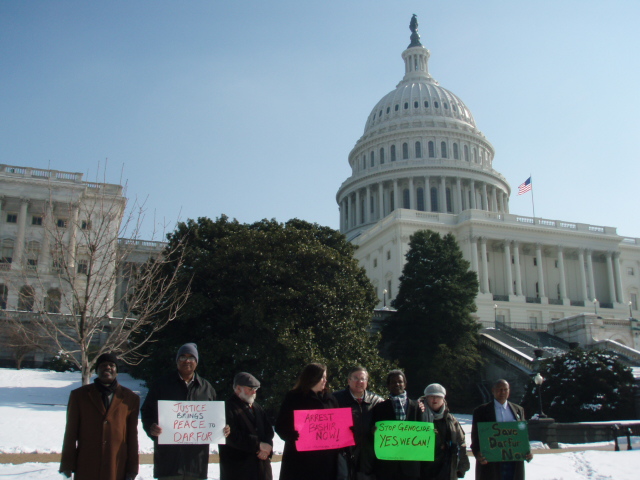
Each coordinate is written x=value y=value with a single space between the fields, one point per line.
x=470 y=195
x=614 y=276
x=434 y=150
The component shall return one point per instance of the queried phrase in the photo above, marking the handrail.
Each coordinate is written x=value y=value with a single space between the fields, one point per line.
x=521 y=358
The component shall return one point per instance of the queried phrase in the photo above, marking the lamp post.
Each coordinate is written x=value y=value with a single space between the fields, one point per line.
x=539 y=380
x=495 y=315
x=595 y=306
x=384 y=298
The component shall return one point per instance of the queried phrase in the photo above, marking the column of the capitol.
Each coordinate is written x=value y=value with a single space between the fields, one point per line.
x=485 y=266
x=485 y=197
x=583 y=277
x=18 y=249
x=563 y=281
x=427 y=193
x=541 y=289
x=367 y=205
x=594 y=295
x=472 y=187
x=612 y=289
x=412 y=195
x=507 y=269
x=618 y=276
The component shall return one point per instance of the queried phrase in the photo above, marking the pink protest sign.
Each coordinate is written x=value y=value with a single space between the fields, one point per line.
x=323 y=429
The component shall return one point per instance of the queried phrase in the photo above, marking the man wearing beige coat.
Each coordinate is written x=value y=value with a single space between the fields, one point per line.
x=101 y=435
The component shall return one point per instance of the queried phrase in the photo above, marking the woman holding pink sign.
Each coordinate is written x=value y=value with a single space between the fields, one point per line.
x=309 y=393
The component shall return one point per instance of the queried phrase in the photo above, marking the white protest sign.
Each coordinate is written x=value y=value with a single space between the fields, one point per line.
x=190 y=423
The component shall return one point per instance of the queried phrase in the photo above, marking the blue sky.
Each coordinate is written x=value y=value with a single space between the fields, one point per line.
x=251 y=108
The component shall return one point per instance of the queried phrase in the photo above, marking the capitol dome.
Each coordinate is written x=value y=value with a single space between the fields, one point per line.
x=420 y=150
x=423 y=164
x=418 y=98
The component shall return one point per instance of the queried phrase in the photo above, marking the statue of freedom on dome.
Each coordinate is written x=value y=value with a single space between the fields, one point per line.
x=413 y=26
x=415 y=37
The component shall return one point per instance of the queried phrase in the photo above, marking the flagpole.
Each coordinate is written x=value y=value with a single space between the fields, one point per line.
x=533 y=206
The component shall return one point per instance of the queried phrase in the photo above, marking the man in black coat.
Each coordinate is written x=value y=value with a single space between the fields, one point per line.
x=187 y=462
x=497 y=410
x=247 y=453
x=397 y=407
x=357 y=462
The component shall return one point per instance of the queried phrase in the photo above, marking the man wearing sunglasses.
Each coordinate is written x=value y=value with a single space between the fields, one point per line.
x=178 y=462
x=247 y=453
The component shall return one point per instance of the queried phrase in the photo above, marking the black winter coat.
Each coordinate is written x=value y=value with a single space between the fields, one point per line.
x=170 y=460
x=396 y=469
x=360 y=457
x=249 y=427
x=314 y=465
x=487 y=413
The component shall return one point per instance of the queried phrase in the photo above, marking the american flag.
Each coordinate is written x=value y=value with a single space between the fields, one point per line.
x=525 y=187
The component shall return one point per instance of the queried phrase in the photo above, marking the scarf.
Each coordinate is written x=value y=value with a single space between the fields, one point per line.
x=430 y=416
x=106 y=391
x=400 y=405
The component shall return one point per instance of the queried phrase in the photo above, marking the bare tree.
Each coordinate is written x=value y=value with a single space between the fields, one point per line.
x=91 y=282
x=18 y=338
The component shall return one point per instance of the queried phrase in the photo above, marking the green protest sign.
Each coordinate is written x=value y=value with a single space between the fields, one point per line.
x=504 y=441
x=403 y=440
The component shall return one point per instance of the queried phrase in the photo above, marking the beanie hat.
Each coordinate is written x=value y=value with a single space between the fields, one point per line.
x=245 y=379
x=188 y=348
x=107 y=357
x=436 y=390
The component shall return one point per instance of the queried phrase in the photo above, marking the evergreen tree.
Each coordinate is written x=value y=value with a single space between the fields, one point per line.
x=268 y=298
x=583 y=386
x=433 y=335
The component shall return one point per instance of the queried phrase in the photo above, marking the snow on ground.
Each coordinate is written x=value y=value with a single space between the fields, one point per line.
x=32 y=419
x=33 y=406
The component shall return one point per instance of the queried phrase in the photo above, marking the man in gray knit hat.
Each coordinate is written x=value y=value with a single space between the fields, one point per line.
x=178 y=462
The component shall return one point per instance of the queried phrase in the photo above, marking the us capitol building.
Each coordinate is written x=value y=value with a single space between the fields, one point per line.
x=422 y=163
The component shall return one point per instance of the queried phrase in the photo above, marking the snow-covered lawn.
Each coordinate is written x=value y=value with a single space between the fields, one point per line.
x=32 y=418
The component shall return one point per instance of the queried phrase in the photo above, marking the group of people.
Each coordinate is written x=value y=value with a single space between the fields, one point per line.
x=101 y=442
x=359 y=462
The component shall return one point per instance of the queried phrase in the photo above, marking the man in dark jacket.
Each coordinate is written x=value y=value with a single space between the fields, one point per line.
x=184 y=462
x=397 y=407
x=101 y=435
x=247 y=453
x=356 y=463
x=497 y=410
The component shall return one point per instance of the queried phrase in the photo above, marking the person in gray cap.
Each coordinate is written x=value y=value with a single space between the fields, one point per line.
x=178 y=462
x=101 y=435
x=450 y=454
x=247 y=453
